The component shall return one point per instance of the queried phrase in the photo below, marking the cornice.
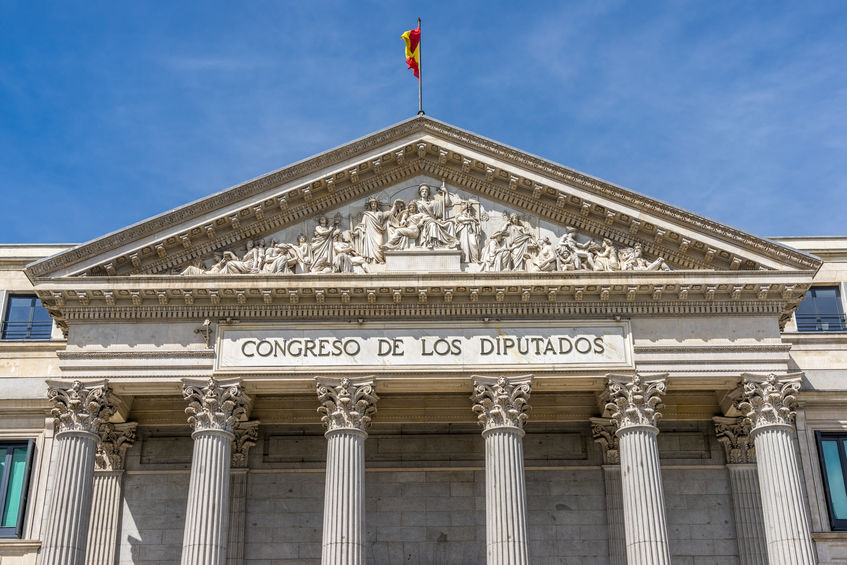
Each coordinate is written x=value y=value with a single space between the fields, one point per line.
x=317 y=194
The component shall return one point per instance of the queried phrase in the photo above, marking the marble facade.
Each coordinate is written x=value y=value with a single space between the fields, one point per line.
x=331 y=364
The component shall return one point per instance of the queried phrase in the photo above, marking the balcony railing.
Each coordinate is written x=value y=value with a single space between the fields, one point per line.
x=26 y=330
x=835 y=322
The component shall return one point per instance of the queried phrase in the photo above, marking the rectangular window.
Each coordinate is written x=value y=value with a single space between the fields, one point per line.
x=834 y=469
x=26 y=318
x=15 y=463
x=821 y=311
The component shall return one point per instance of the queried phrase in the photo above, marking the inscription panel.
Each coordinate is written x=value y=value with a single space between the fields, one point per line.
x=444 y=346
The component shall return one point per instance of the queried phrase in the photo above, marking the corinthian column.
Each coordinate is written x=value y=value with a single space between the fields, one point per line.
x=115 y=440
x=604 y=433
x=213 y=409
x=734 y=435
x=634 y=406
x=79 y=411
x=347 y=406
x=501 y=405
x=768 y=406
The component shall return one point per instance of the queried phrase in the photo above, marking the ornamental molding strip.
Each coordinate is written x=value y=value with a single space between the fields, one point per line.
x=115 y=441
x=769 y=400
x=215 y=405
x=603 y=432
x=346 y=403
x=501 y=402
x=634 y=400
x=734 y=435
x=79 y=407
x=420 y=146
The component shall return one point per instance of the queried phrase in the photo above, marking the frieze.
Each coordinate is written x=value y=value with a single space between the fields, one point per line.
x=443 y=220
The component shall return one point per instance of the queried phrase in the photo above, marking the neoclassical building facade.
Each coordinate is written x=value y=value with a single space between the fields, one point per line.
x=424 y=347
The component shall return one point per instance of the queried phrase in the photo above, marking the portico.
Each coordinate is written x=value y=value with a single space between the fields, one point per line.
x=525 y=366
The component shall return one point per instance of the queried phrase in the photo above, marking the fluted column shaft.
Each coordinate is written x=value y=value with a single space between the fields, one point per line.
x=67 y=520
x=207 y=515
x=501 y=405
x=214 y=408
x=79 y=410
x=645 y=521
x=768 y=405
x=614 y=514
x=347 y=406
x=344 y=498
x=505 y=497
x=634 y=405
x=786 y=517
x=747 y=511
x=105 y=515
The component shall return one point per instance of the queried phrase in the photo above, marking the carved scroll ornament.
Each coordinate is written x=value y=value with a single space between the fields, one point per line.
x=217 y=406
x=501 y=403
x=346 y=404
x=634 y=401
x=769 y=400
x=79 y=407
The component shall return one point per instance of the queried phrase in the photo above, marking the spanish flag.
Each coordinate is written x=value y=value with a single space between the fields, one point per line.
x=413 y=53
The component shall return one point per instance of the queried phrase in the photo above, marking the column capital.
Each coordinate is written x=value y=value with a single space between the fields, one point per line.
x=734 y=435
x=115 y=440
x=246 y=436
x=603 y=431
x=769 y=400
x=501 y=402
x=215 y=405
x=346 y=403
x=79 y=407
x=635 y=401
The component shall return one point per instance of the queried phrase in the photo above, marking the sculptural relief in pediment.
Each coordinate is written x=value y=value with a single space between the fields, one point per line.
x=425 y=215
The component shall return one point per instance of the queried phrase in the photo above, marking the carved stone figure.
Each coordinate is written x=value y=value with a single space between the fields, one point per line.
x=247 y=264
x=635 y=262
x=369 y=234
x=436 y=230
x=606 y=259
x=323 y=256
x=467 y=233
x=546 y=260
x=571 y=254
x=496 y=256
x=408 y=229
x=521 y=242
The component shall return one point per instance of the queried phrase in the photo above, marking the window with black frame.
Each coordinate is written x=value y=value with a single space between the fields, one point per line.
x=15 y=463
x=821 y=311
x=834 y=468
x=26 y=318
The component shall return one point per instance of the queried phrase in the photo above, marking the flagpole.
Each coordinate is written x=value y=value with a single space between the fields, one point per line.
x=420 y=71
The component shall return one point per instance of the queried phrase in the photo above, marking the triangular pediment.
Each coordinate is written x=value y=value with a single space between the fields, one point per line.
x=390 y=165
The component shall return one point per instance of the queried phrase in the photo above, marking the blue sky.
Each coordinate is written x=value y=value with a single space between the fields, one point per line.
x=111 y=112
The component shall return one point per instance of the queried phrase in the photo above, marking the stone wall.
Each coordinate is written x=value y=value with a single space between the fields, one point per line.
x=425 y=496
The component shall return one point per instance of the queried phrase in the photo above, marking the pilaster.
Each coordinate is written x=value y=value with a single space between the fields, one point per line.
x=347 y=406
x=734 y=435
x=634 y=405
x=79 y=410
x=214 y=409
x=246 y=434
x=603 y=431
x=115 y=440
x=501 y=405
x=768 y=404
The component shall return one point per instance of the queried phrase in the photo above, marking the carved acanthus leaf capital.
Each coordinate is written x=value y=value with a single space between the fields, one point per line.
x=346 y=404
x=217 y=405
x=635 y=401
x=734 y=435
x=246 y=436
x=603 y=431
x=769 y=400
x=501 y=402
x=79 y=407
x=115 y=440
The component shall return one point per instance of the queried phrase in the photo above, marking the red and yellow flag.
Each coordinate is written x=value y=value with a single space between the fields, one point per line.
x=413 y=53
